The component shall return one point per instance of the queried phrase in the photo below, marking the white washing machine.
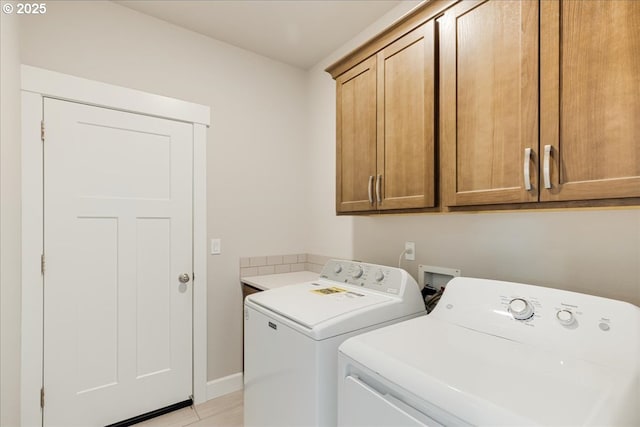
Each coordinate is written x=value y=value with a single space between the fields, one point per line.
x=500 y=354
x=292 y=334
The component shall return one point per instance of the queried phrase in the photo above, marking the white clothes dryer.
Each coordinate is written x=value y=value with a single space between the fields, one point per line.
x=500 y=354
x=292 y=336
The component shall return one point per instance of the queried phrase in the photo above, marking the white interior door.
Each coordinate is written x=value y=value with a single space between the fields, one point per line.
x=117 y=235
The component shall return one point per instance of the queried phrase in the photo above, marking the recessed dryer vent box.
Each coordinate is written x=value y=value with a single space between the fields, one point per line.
x=434 y=278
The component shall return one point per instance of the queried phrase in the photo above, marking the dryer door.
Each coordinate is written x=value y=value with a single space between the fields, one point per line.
x=364 y=406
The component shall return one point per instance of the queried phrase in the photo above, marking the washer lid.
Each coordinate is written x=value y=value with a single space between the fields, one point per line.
x=488 y=380
x=313 y=303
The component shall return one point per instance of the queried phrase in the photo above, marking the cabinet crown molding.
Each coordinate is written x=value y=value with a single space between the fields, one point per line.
x=425 y=11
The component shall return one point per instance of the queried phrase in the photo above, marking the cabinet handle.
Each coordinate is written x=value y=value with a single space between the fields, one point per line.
x=370 y=189
x=527 y=175
x=545 y=168
x=378 y=189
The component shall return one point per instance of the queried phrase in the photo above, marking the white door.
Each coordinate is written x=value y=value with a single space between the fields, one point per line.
x=117 y=235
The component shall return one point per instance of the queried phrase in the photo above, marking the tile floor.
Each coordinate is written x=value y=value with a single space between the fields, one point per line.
x=224 y=411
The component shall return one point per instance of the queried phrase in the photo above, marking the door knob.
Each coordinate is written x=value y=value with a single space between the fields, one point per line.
x=183 y=278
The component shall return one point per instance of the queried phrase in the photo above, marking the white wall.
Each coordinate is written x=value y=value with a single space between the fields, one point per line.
x=592 y=251
x=10 y=245
x=256 y=144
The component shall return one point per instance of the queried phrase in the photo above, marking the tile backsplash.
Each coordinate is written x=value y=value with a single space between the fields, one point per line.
x=274 y=264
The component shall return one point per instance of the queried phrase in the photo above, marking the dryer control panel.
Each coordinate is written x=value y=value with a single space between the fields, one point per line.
x=590 y=326
x=389 y=280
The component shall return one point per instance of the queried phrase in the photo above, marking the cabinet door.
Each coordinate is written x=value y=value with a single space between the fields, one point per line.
x=489 y=102
x=406 y=121
x=590 y=98
x=356 y=137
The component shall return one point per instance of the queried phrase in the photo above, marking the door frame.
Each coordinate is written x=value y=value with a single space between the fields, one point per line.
x=38 y=83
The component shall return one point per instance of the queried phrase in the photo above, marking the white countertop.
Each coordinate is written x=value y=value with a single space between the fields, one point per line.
x=272 y=281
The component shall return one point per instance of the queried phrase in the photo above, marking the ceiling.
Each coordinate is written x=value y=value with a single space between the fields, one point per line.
x=296 y=32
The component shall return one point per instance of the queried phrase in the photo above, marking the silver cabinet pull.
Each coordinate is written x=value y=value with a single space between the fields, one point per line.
x=545 y=167
x=379 y=189
x=527 y=174
x=183 y=278
x=370 y=189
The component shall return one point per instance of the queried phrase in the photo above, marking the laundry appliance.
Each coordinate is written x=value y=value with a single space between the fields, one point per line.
x=292 y=336
x=500 y=354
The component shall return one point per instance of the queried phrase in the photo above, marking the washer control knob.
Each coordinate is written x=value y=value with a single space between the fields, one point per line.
x=520 y=309
x=357 y=272
x=379 y=276
x=565 y=317
x=337 y=269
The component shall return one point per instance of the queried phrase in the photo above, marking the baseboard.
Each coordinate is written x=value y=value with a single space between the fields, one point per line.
x=224 y=385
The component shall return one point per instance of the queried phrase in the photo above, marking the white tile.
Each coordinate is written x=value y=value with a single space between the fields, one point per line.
x=297 y=267
x=275 y=259
x=266 y=269
x=302 y=257
x=248 y=272
x=283 y=268
x=257 y=261
x=245 y=262
x=290 y=259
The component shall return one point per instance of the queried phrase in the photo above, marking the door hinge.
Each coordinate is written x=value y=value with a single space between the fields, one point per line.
x=42 y=397
x=42 y=130
x=42 y=264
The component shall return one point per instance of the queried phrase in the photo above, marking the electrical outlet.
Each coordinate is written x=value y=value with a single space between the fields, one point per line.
x=410 y=251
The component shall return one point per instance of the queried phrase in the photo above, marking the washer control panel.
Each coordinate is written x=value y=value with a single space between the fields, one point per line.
x=381 y=278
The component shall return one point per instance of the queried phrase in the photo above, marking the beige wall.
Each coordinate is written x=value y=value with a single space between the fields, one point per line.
x=256 y=143
x=9 y=222
x=591 y=251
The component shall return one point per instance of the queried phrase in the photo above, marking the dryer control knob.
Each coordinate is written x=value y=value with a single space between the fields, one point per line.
x=357 y=272
x=520 y=309
x=337 y=269
x=565 y=317
x=379 y=276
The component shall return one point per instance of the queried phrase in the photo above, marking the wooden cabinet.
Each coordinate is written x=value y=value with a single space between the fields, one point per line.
x=489 y=101
x=590 y=99
x=538 y=101
x=386 y=127
x=356 y=137
x=588 y=96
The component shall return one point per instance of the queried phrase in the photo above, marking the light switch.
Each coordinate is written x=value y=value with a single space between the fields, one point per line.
x=215 y=246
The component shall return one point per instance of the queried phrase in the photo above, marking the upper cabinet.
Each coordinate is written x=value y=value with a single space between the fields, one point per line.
x=526 y=101
x=356 y=137
x=588 y=96
x=489 y=100
x=386 y=127
x=590 y=99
